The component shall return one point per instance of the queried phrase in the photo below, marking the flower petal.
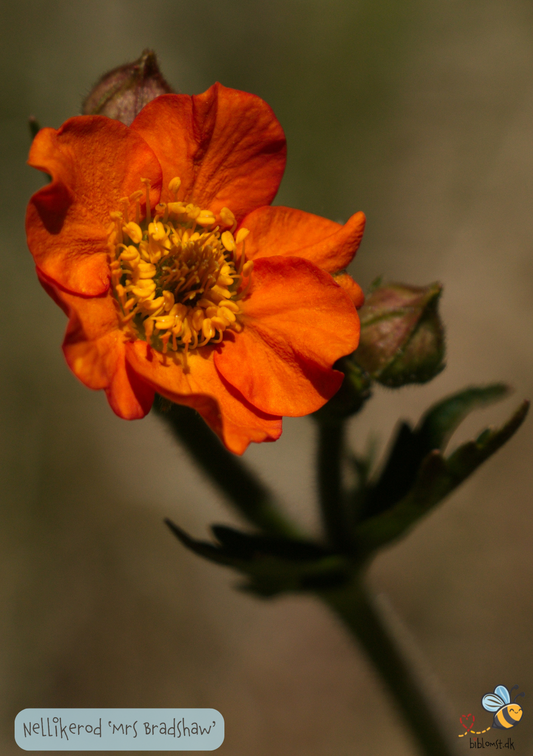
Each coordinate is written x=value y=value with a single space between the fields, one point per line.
x=289 y=232
x=228 y=413
x=95 y=351
x=297 y=323
x=226 y=146
x=94 y=162
x=352 y=288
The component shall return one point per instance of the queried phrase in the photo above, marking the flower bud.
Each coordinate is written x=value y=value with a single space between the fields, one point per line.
x=402 y=336
x=123 y=92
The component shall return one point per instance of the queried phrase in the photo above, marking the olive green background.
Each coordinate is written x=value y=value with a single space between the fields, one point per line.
x=418 y=113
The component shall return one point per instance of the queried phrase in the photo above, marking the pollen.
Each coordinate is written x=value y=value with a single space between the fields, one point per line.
x=178 y=278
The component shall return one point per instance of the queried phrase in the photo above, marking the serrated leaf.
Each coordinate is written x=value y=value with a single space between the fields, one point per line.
x=270 y=566
x=201 y=548
x=411 y=447
x=470 y=456
x=249 y=545
x=436 y=479
x=441 y=420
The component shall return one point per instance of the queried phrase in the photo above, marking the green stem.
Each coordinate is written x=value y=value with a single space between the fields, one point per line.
x=353 y=605
x=330 y=489
x=249 y=495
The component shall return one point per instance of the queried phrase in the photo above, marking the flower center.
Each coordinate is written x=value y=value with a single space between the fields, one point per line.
x=177 y=278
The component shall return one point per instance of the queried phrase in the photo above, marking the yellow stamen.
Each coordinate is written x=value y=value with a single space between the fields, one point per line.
x=205 y=218
x=228 y=241
x=247 y=268
x=174 y=186
x=134 y=232
x=177 y=278
x=227 y=217
x=242 y=233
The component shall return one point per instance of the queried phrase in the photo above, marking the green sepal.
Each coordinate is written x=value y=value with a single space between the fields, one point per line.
x=436 y=479
x=271 y=564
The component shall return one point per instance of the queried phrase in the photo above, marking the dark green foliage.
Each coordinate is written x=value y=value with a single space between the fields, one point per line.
x=272 y=565
x=436 y=477
x=415 y=477
x=411 y=447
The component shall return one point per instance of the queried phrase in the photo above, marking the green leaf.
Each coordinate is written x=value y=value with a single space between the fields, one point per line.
x=271 y=565
x=411 y=447
x=441 y=420
x=397 y=475
x=250 y=545
x=436 y=479
x=201 y=548
x=470 y=456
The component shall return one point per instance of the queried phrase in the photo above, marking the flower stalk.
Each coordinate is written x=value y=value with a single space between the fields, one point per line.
x=250 y=497
x=355 y=607
x=352 y=604
x=330 y=488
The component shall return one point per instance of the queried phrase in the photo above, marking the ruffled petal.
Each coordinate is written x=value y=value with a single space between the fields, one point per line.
x=352 y=288
x=95 y=351
x=284 y=231
x=297 y=323
x=228 y=413
x=226 y=146
x=94 y=161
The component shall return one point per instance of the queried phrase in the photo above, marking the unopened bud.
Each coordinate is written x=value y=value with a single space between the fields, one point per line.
x=402 y=336
x=123 y=92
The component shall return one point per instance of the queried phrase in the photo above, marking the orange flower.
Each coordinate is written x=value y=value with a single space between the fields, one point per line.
x=159 y=243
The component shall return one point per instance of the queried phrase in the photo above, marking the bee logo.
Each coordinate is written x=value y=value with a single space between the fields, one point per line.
x=507 y=713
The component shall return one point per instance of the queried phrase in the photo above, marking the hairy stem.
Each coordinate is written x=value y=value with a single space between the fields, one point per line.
x=330 y=488
x=246 y=492
x=358 y=612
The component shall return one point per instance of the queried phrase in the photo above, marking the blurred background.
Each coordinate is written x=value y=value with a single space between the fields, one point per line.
x=419 y=114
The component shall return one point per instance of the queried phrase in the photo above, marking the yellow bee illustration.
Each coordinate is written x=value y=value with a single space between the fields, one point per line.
x=507 y=713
